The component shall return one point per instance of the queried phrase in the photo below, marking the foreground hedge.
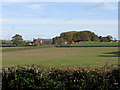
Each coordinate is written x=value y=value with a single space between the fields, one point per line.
x=39 y=77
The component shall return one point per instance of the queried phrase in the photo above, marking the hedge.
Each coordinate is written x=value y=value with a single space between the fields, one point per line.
x=40 y=77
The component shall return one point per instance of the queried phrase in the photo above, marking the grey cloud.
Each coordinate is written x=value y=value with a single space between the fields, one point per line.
x=96 y=5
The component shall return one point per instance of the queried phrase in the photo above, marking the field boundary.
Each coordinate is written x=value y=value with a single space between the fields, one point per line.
x=87 y=46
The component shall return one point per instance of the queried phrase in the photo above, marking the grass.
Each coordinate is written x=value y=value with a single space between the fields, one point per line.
x=44 y=45
x=76 y=44
x=81 y=56
x=10 y=47
x=97 y=44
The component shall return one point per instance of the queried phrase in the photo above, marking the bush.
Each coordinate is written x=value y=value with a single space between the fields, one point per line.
x=39 y=77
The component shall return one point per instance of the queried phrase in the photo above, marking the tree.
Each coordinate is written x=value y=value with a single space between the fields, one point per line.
x=104 y=39
x=57 y=38
x=100 y=37
x=115 y=39
x=18 y=40
x=54 y=40
x=74 y=36
x=109 y=38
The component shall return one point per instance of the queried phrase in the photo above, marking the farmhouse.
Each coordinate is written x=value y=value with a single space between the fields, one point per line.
x=42 y=41
x=37 y=41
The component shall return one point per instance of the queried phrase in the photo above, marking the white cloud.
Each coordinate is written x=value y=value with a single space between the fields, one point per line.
x=60 y=0
x=104 y=5
x=28 y=5
x=111 y=6
x=13 y=0
x=96 y=5
x=60 y=21
x=36 y=6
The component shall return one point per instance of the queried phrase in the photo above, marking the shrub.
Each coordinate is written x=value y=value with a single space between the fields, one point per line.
x=39 y=77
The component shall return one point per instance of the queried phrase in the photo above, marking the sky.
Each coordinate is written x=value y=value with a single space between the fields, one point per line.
x=49 y=19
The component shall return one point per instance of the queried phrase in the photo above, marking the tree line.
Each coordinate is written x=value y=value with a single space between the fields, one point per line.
x=74 y=36
x=69 y=37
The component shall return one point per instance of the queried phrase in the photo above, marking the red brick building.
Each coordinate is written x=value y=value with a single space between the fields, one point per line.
x=37 y=41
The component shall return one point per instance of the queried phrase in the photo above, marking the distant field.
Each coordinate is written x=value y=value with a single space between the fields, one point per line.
x=9 y=47
x=79 y=44
x=82 y=56
x=26 y=47
x=97 y=44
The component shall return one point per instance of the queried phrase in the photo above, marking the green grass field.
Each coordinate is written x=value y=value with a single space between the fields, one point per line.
x=97 y=44
x=9 y=47
x=82 y=56
x=45 y=45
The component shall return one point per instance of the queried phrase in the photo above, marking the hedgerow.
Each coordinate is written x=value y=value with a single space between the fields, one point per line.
x=40 y=77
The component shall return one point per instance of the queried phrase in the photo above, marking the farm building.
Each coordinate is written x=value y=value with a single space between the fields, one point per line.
x=61 y=42
x=27 y=42
x=47 y=41
x=115 y=41
x=42 y=41
x=6 y=43
x=37 y=41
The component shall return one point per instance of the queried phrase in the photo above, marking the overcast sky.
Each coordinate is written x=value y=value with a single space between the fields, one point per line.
x=47 y=20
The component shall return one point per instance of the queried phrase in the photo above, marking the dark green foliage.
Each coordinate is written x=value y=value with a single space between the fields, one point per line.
x=38 y=77
x=108 y=38
x=18 y=40
x=74 y=36
x=79 y=36
x=54 y=40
